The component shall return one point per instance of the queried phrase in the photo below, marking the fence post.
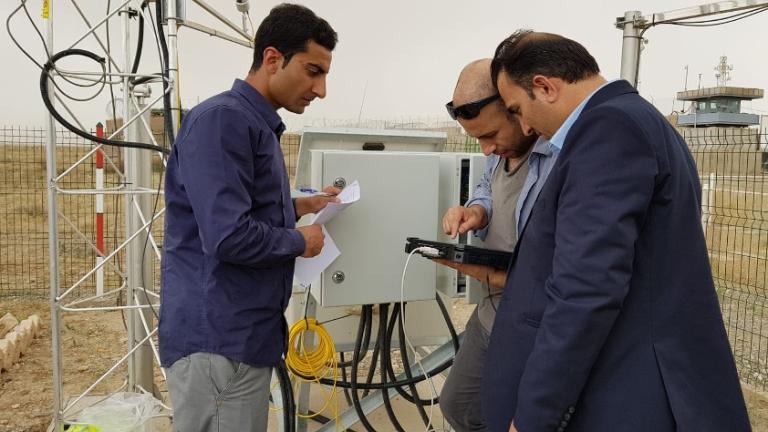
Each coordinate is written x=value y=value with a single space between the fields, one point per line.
x=707 y=201
x=99 y=213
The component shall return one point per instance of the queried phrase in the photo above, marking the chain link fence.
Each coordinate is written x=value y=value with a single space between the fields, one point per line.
x=731 y=163
x=23 y=207
x=732 y=166
x=24 y=210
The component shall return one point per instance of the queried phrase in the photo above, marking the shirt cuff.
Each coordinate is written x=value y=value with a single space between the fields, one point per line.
x=297 y=243
x=295 y=213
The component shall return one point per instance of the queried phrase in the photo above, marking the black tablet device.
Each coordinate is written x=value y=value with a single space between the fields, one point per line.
x=462 y=253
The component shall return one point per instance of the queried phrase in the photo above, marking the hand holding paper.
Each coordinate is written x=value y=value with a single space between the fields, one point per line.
x=348 y=196
x=309 y=269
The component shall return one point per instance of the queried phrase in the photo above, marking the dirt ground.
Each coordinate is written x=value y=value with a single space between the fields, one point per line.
x=92 y=342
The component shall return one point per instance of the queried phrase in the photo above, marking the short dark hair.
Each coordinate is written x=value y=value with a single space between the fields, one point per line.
x=289 y=28
x=525 y=54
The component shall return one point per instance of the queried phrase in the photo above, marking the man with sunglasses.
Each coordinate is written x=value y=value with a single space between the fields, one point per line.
x=230 y=236
x=492 y=214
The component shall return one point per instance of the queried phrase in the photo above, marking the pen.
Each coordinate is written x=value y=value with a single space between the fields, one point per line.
x=315 y=192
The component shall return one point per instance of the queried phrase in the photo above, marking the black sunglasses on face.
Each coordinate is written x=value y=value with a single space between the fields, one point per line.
x=470 y=110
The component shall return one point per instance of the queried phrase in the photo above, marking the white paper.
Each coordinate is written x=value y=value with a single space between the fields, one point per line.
x=348 y=196
x=351 y=193
x=308 y=269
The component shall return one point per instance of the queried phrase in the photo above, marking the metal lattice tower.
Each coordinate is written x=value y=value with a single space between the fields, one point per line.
x=136 y=187
x=723 y=72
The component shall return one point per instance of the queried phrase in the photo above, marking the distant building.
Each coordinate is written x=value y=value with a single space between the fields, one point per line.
x=718 y=106
x=718 y=132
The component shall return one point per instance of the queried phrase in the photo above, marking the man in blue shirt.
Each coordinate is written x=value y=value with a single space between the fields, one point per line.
x=230 y=236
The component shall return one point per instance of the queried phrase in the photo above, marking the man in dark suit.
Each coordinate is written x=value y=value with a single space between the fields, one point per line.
x=609 y=320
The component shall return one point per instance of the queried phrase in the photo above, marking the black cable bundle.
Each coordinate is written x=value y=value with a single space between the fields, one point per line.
x=343 y=368
x=386 y=363
x=374 y=358
x=139 y=49
x=415 y=399
x=45 y=75
x=166 y=73
x=289 y=404
x=378 y=386
x=381 y=351
x=365 y=318
x=448 y=322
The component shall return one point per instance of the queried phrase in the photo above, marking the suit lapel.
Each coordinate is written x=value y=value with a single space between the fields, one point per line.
x=610 y=91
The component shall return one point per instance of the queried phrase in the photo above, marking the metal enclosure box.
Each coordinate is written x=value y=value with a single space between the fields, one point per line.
x=386 y=140
x=474 y=289
x=398 y=199
x=460 y=173
x=426 y=325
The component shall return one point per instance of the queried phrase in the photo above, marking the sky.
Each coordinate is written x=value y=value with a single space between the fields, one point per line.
x=397 y=59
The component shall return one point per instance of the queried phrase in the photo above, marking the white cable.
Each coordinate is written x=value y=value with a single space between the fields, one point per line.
x=427 y=251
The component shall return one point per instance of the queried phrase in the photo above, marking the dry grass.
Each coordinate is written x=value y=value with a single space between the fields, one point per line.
x=736 y=229
x=24 y=256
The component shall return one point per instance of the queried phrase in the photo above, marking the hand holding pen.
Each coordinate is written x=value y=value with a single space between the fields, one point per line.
x=316 y=202
x=324 y=192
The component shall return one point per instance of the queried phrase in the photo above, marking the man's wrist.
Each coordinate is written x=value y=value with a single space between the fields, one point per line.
x=296 y=213
x=480 y=213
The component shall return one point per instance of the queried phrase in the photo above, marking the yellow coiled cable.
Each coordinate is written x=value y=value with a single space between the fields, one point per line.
x=318 y=361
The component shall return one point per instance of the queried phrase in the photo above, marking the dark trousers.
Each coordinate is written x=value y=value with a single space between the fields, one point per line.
x=460 y=397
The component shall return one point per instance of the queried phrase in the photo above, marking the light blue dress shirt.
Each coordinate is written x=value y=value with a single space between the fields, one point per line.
x=482 y=194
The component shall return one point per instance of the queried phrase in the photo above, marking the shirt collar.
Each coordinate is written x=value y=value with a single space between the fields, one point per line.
x=558 y=139
x=544 y=147
x=260 y=104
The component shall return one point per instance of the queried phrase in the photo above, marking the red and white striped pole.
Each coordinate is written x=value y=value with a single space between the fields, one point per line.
x=100 y=213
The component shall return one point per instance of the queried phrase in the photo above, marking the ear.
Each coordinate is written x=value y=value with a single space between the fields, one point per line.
x=273 y=59
x=545 y=88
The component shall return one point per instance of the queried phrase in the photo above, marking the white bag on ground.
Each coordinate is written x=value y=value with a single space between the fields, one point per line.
x=122 y=412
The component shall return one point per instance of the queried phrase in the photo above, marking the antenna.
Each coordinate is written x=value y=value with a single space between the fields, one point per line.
x=723 y=72
x=362 y=102
x=685 y=88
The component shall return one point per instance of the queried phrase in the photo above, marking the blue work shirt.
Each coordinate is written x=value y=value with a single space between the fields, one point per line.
x=230 y=241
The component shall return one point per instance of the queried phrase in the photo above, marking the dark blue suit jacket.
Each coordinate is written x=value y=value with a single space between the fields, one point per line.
x=609 y=319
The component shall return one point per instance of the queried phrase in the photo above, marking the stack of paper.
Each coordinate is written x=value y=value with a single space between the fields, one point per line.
x=309 y=269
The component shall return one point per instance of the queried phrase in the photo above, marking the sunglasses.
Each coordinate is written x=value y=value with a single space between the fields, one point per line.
x=470 y=110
